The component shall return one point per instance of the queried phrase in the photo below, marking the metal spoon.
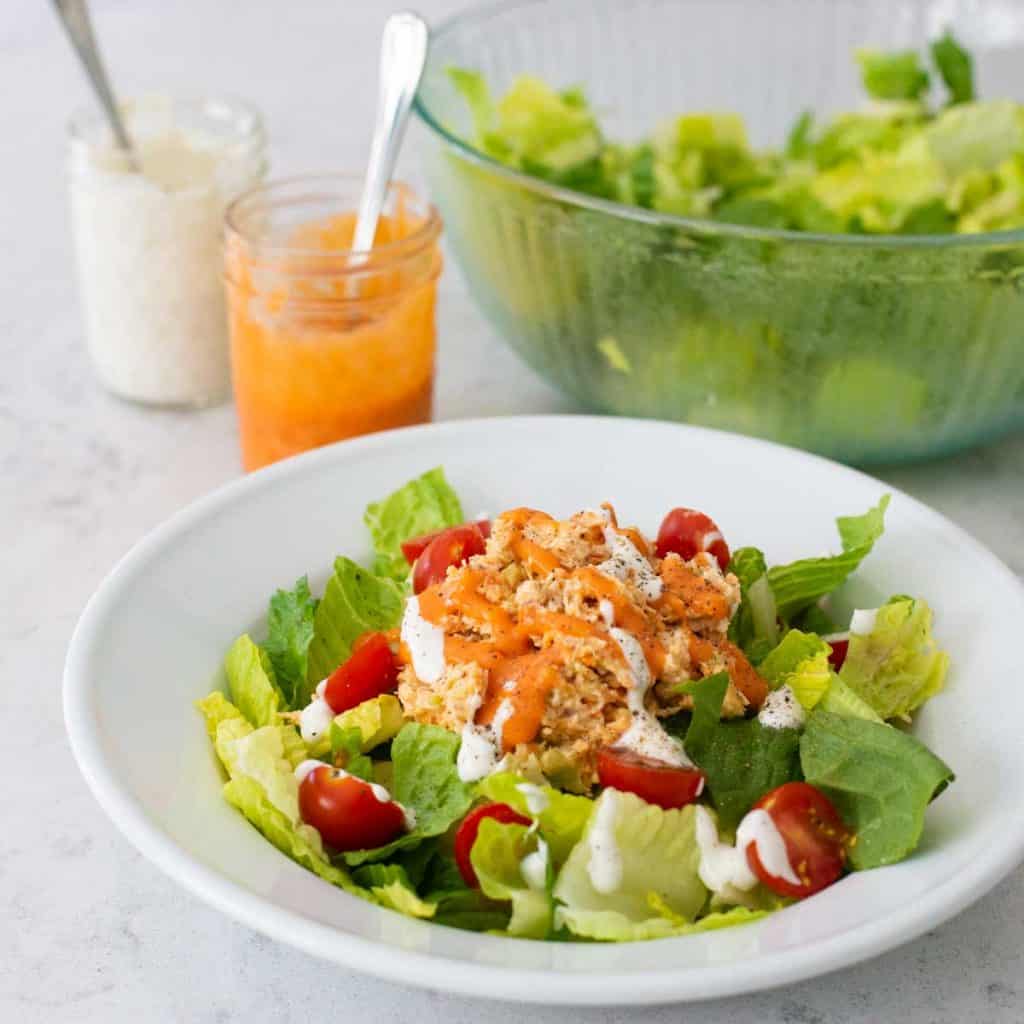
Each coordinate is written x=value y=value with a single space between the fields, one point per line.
x=403 y=52
x=74 y=15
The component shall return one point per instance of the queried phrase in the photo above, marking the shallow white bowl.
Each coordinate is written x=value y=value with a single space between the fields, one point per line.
x=152 y=638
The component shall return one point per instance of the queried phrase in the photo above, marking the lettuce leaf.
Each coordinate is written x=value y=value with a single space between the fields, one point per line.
x=801 y=663
x=497 y=857
x=392 y=888
x=355 y=601
x=955 y=66
x=378 y=720
x=251 y=682
x=753 y=627
x=562 y=820
x=801 y=583
x=346 y=747
x=897 y=666
x=659 y=860
x=426 y=780
x=892 y=76
x=880 y=780
x=839 y=699
x=741 y=760
x=289 y=634
x=457 y=904
x=421 y=506
x=976 y=136
x=216 y=708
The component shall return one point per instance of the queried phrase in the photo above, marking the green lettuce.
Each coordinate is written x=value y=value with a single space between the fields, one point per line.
x=497 y=856
x=289 y=634
x=562 y=820
x=897 y=666
x=801 y=663
x=753 y=627
x=421 y=506
x=391 y=887
x=976 y=136
x=251 y=682
x=880 y=780
x=346 y=747
x=741 y=760
x=355 y=601
x=426 y=780
x=659 y=861
x=892 y=76
x=956 y=68
x=458 y=905
x=840 y=699
x=801 y=583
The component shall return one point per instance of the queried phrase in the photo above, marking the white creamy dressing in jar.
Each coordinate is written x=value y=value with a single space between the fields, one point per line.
x=425 y=641
x=605 y=864
x=149 y=244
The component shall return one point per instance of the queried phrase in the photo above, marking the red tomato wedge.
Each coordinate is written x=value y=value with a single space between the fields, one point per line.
x=372 y=669
x=815 y=837
x=470 y=826
x=415 y=546
x=346 y=812
x=687 y=532
x=839 y=645
x=654 y=781
x=451 y=547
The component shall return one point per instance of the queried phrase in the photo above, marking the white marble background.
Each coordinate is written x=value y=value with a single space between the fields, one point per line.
x=89 y=932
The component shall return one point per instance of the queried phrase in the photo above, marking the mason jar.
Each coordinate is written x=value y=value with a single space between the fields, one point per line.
x=148 y=242
x=326 y=342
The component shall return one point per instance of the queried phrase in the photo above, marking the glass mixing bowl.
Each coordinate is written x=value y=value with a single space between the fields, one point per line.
x=865 y=348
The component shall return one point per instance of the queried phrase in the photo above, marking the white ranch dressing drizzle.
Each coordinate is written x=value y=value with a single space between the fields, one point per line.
x=316 y=717
x=425 y=642
x=480 y=750
x=781 y=710
x=534 y=867
x=626 y=560
x=605 y=863
x=536 y=799
x=862 y=621
x=724 y=867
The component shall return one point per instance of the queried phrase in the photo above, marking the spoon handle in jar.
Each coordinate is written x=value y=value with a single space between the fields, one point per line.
x=74 y=15
x=403 y=53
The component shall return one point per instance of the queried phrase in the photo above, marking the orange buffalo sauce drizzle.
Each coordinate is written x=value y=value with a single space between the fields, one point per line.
x=516 y=671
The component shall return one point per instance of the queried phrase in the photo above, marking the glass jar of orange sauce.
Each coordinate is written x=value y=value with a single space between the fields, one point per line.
x=327 y=343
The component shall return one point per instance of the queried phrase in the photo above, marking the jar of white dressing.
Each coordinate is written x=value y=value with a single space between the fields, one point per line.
x=148 y=242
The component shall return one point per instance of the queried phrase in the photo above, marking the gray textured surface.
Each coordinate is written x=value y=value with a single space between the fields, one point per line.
x=89 y=931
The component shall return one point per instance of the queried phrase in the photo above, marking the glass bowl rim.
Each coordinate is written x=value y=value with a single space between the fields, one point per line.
x=482 y=12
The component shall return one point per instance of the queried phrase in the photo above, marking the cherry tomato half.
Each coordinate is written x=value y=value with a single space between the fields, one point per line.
x=839 y=645
x=687 y=531
x=815 y=837
x=654 y=781
x=470 y=826
x=372 y=669
x=346 y=812
x=415 y=546
x=451 y=547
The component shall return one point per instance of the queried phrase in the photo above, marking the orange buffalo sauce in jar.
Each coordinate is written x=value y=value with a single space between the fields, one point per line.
x=327 y=343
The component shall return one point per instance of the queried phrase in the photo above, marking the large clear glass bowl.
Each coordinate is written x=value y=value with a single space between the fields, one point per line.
x=865 y=348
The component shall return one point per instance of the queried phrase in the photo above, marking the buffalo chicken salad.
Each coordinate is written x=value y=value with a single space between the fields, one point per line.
x=564 y=729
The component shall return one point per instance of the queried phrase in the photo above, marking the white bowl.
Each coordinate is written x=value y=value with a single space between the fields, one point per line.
x=152 y=638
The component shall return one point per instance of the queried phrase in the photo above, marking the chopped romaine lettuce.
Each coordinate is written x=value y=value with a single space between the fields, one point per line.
x=392 y=888
x=654 y=851
x=897 y=666
x=561 y=816
x=354 y=602
x=426 y=781
x=955 y=67
x=289 y=633
x=497 y=856
x=840 y=699
x=421 y=506
x=251 y=682
x=880 y=779
x=801 y=663
x=754 y=627
x=892 y=76
x=801 y=583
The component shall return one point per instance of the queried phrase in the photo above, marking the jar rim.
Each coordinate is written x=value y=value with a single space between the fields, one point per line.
x=321 y=186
